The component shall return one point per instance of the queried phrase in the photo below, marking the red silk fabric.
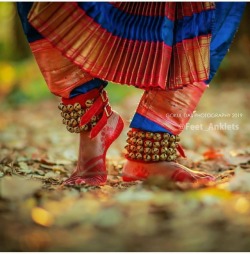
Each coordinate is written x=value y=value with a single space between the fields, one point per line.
x=61 y=75
x=171 y=109
x=141 y=63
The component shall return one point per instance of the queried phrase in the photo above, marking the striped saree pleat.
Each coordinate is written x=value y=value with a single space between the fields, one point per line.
x=147 y=44
x=190 y=57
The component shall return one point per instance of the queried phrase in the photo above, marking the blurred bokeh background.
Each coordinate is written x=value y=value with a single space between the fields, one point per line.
x=21 y=81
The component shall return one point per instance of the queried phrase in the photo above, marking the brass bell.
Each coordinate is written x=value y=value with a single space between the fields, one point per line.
x=73 y=114
x=169 y=158
x=155 y=157
x=139 y=149
x=132 y=148
x=93 y=124
x=172 y=145
x=129 y=140
x=93 y=119
x=146 y=157
x=172 y=138
x=170 y=150
x=156 y=144
x=128 y=148
x=62 y=114
x=147 y=150
x=64 y=121
x=67 y=122
x=134 y=141
x=132 y=155
x=139 y=142
x=80 y=112
x=130 y=133
x=77 y=106
x=148 y=143
x=73 y=122
x=66 y=116
x=155 y=150
x=149 y=135
x=77 y=129
x=64 y=108
x=163 y=157
x=166 y=136
x=140 y=134
x=164 y=149
x=164 y=142
x=157 y=136
x=60 y=106
x=84 y=127
x=174 y=157
x=138 y=156
x=177 y=138
x=70 y=107
x=88 y=103
x=136 y=134
x=70 y=129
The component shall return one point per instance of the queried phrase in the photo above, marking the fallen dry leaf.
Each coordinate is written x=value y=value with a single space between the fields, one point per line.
x=212 y=154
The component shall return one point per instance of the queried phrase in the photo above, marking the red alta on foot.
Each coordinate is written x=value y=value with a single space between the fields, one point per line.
x=173 y=171
x=99 y=127
x=154 y=154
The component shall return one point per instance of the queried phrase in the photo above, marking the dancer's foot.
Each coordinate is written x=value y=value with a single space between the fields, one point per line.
x=135 y=170
x=91 y=168
x=154 y=154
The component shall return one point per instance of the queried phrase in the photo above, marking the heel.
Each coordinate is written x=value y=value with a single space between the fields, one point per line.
x=133 y=171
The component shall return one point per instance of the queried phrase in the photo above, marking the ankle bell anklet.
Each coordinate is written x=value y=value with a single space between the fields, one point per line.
x=151 y=146
x=86 y=112
x=72 y=114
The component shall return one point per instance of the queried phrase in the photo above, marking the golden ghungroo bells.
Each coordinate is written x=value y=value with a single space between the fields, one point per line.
x=84 y=112
x=151 y=146
x=72 y=114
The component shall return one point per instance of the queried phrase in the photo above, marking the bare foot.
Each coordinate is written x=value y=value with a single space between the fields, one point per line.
x=134 y=170
x=91 y=168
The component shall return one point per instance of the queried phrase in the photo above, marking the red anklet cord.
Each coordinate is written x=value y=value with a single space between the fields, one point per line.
x=100 y=105
x=181 y=150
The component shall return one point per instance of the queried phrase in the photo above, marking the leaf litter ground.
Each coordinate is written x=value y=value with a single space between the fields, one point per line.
x=37 y=214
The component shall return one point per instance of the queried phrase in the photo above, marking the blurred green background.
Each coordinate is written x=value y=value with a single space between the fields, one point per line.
x=21 y=81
